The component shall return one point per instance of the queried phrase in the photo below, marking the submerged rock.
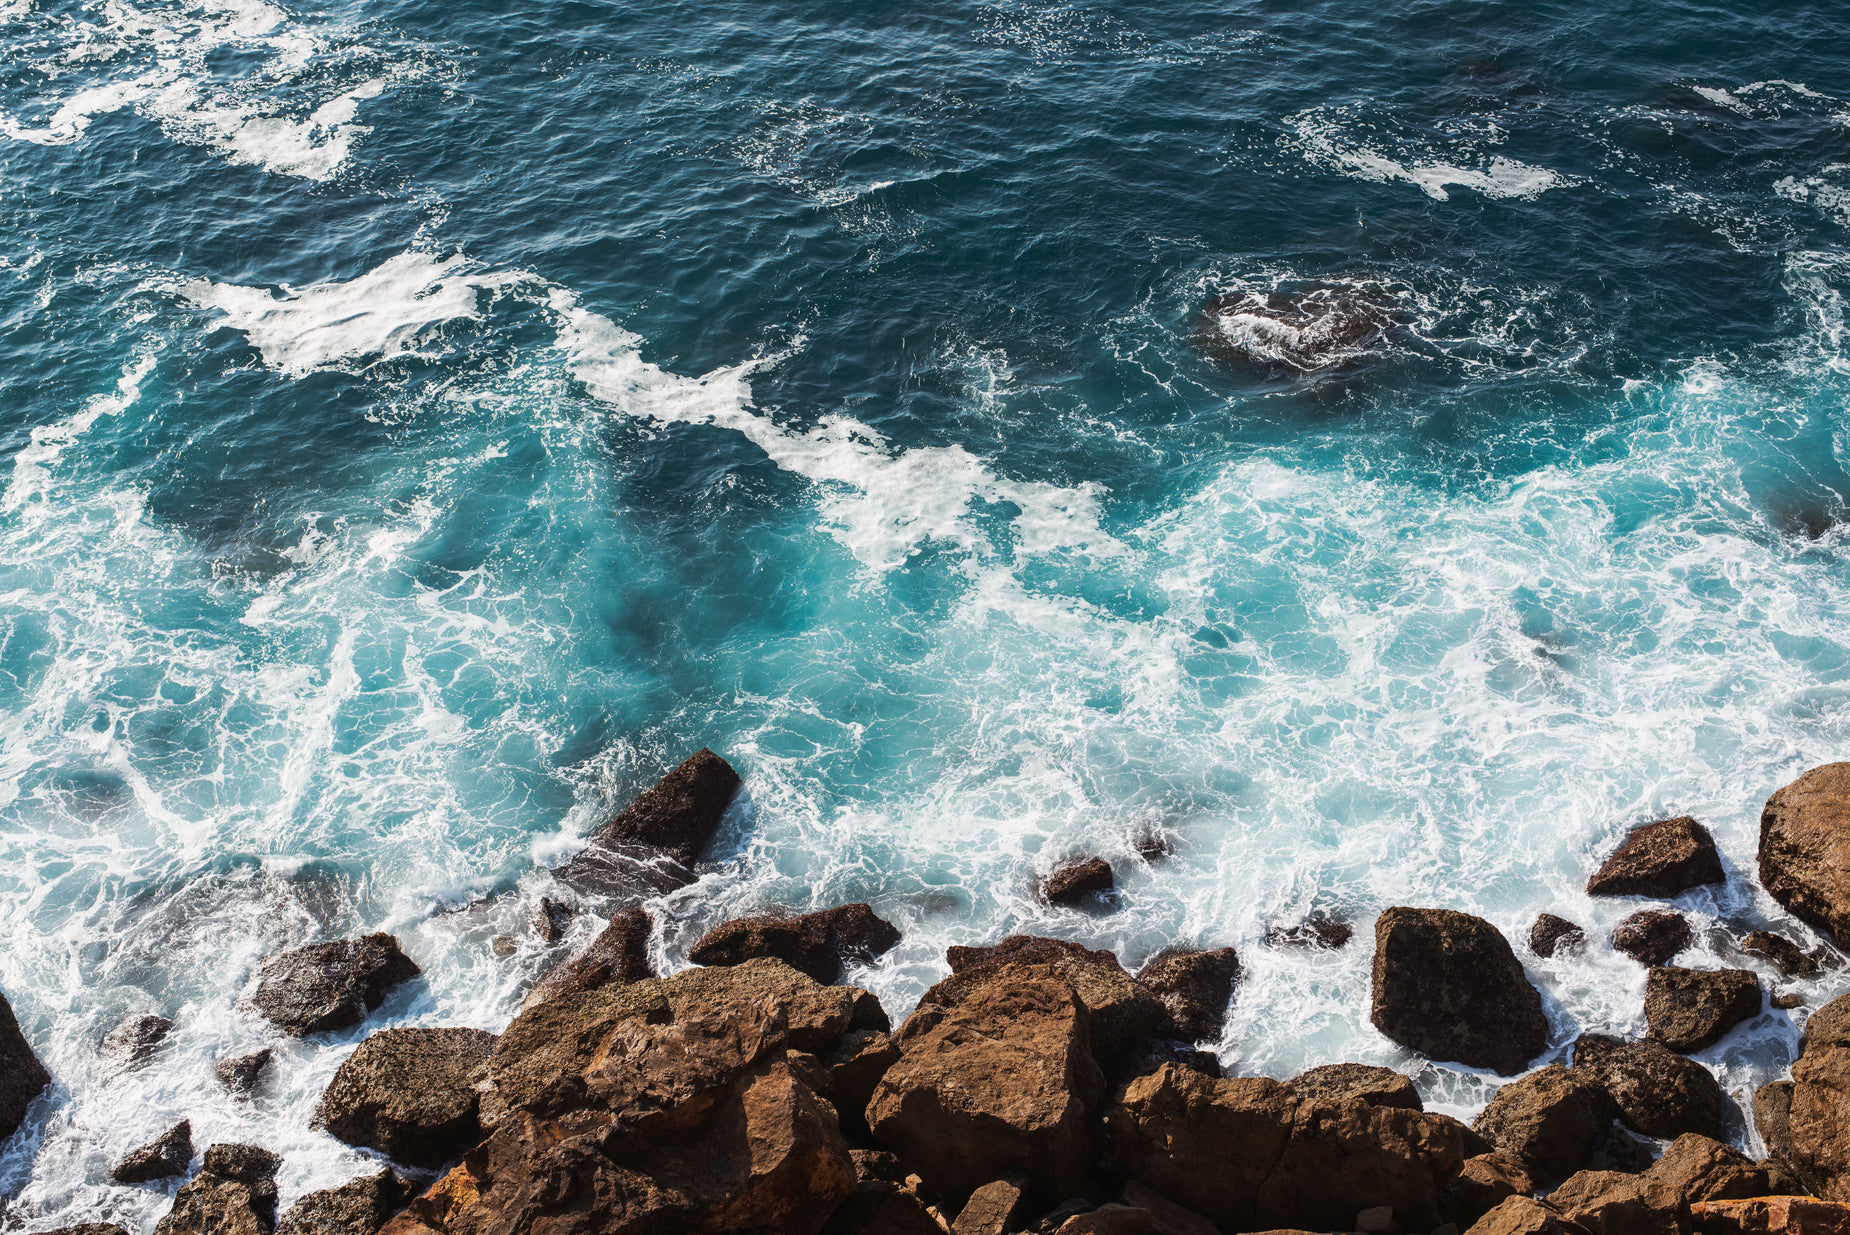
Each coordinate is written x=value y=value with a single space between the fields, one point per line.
x=233 y=1194
x=243 y=1074
x=618 y=956
x=1123 y=1010
x=1652 y=936
x=167 y=1155
x=358 y=1207
x=1550 y=935
x=1660 y=859
x=650 y=845
x=1195 y=986
x=1312 y=331
x=22 y=1076
x=820 y=944
x=1689 y=1009
x=330 y=985
x=410 y=1094
x=1319 y=930
x=133 y=1041
x=1547 y=1121
x=1075 y=881
x=1805 y=848
x=1658 y=1092
x=1790 y=959
x=1448 y=985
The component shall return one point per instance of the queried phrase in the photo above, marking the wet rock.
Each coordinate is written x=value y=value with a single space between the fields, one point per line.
x=1790 y=959
x=819 y=944
x=1652 y=936
x=166 y=1155
x=1447 y=985
x=1786 y=1001
x=551 y=920
x=330 y=985
x=1618 y=1150
x=619 y=955
x=1317 y=931
x=1771 y=1215
x=242 y=1075
x=133 y=1041
x=992 y=1209
x=1805 y=848
x=1195 y=987
x=89 y=1228
x=233 y=1194
x=1550 y=935
x=1482 y=1183
x=1547 y=1121
x=1701 y=1168
x=1169 y=1217
x=650 y=846
x=1375 y=1086
x=1660 y=859
x=1521 y=1215
x=1658 y=1092
x=1154 y=847
x=1123 y=1010
x=1308 y=332
x=1075 y=881
x=358 y=1207
x=410 y=1094
x=22 y=1076
x=1611 y=1203
x=1689 y=1009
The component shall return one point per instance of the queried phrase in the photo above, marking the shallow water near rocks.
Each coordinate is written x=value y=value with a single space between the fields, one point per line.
x=427 y=425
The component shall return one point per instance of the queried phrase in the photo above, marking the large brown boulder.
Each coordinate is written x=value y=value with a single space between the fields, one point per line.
x=1615 y=1203
x=1660 y=859
x=619 y=955
x=999 y=1082
x=330 y=985
x=1547 y=1121
x=651 y=845
x=820 y=944
x=1124 y=1010
x=1689 y=1009
x=1375 y=1086
x=233 y=1194
x=1522 y=1215
x=22 y=1076
x=358 y=1207
x=1657 y=1091
x=1195 y=986
x=1448 y=985
x=1701 y=1168
x=1815 y=1126
x=410 y=1094
x=1805 y=848
x=1771 y=1215
x=1652 y=936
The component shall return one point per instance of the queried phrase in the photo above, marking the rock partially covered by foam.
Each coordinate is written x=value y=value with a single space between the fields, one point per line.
x=1308 y=332
x=819 y=944
x=1805 y=848
x=1550 y=935
x=1123 y=1010
x=1657 y=1091
x=22 y=1076
x=650 y=845
x=1195 y=986
x=330 y=985
x=410 y=1094
x=1448 y=985
x=132 y=1042
x=1660 y=859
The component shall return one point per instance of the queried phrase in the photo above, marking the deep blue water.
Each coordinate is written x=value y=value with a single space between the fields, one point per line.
x=430 y=423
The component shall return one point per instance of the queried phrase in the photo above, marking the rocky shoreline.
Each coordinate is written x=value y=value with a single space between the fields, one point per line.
x=1040 y=1087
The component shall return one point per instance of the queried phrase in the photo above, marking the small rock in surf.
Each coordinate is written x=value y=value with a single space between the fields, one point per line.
x=1310 y=332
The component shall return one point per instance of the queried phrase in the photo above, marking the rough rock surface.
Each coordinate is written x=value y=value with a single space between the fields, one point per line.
x=1652 y=936
x=1521 y=1215
x=330 y=985
x=1550 y=935
x=1805 y=848
x=1109 y=1219
x=992 y=1209
x=1170 y=1218
x=165 y=1156
x=650 y=845
x=133 y=1041
x=1773 y=1120
x=89 y=1228
x=1363 y=1082
x=241 y=1075
x=1660 y=859
x=885 y=1200
x=22 y=1076
x=233 y=1194
x=1700 y=1168
x=1124 y=1011
x=1196 y=987
x=1447 y=985
x=819 y=944
x=1790 y=959
x=1547 y=1121
x=1658 y=1092
x=1075 y=881
x=1689 y=1009
x=847 y=1074
x=358 y=1207
x=1808 y=1125
x=410 y=1094
x=619 y=955
x=1482 y=1183
x=1614 y=1203
x=1618 y=1150
x=1771 y=1215
x=551 y=919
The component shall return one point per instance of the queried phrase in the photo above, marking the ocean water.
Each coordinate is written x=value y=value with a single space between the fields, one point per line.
x=429 y=424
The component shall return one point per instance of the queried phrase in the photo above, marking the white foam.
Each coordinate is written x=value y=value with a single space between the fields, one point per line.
x=32 y=464
x=1324 y=143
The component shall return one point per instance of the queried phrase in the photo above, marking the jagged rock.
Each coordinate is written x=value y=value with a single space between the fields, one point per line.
x=819 y=944
x=1772 y=1117
x=650 y=846
x=133 y=1041
x=243 y=1074
x=1660 y=859
x=885 y=1200
x=1652 y=936
x=358 y=1207
x=1482 y=1183
x=1771 y=1215
x=1075 y=881
x=1169 y=1217
x=1808 y=1125
x=410 y=1094
x=1700 y=1168
x=1805 y=848
x=1123 y=1010
x=551 y=919
x=1153 y=1054
x=619 y=955
x=1319 y=931
x=1547 y=1121
x=992 y=1209
x=1521 y=1215
x=1689 y=1009
x=22 y=1076
x=1786 y=1001
x=1618 y=1150
x=233 y=1194
x=1790 y=959
x=330 y=985
x=867 y=1012
x=1195 y=986
x=1000 y=1080
x=848 y=1074
x=89 y=1228
x=166 y=1155
x=1447 y=985
x=1375 y=1086
x=1612 y=1203
x=1658 y=1092
x=1551 y=934
x=1110 y=1219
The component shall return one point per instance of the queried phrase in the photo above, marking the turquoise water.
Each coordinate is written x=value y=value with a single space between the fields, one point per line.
x=427 y=426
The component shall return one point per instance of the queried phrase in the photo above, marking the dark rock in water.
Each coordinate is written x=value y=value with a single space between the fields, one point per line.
x=650 y=845
x=89 y=1228
x=133 y=1041
x=1547 y=1121
x=1363 y=1083
x=22 y=1076
x=1154 y=847
x=618 y=956
x=1075 y=881
x=1322 y=329
x=330 y=985
x=551 y=919
x=242 y=1075
x=1787 y=956
x=1652 y=936
x=166 y=1155
x=1196 y=987
x=1550 y=935
x=1317 y=931
x=1620 y=1151
x=1448 y=985
x=1123 y=1010
x=1658 y=1092
x=1786 y=1001
x=1689 y=1009
x=1805 y=849
x=1482 y=1183
x=233 y=1194
x=819 y=944
x=358 y=1207
x=410 y=1094
x=1660 y=859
